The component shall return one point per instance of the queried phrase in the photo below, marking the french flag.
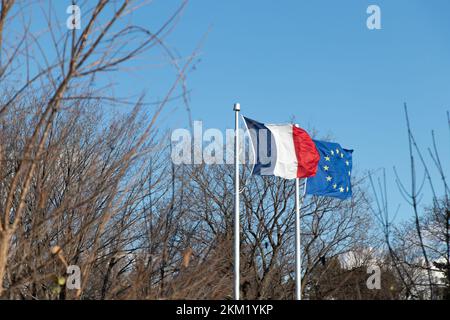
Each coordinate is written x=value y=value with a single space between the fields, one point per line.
x=282 y=150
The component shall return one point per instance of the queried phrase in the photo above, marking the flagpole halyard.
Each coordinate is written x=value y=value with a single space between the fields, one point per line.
x=236 y=109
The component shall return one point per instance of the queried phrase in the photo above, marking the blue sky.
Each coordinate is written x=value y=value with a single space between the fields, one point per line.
x=315 y=60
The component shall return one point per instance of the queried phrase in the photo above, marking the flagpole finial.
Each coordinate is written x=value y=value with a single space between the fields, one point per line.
x=237 y=107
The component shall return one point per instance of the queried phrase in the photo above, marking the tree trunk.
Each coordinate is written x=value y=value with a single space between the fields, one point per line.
x=5 y=237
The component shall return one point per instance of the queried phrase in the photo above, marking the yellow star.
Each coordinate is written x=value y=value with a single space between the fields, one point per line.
x=347 y=163
x=337 y=151
x=347 y=189
x=341 y=189
x=342 y=155
x=326 y=168
x=327 y=158
x=349 y=173
x=334 y=186
x=329 y=178
x=332 y=152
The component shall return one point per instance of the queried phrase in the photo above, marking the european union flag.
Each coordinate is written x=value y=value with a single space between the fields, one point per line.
x=334 y=172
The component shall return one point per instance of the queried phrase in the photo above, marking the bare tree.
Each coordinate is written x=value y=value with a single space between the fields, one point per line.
x=36 y=189
x=418 y=249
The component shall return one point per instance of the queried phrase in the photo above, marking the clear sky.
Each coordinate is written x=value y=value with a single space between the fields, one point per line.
x=315 y=60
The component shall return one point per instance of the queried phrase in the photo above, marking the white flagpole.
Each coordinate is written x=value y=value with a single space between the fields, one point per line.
x=298 y=256
x=237 y=108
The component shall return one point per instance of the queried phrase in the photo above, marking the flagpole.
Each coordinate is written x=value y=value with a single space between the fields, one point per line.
x=298 y=256
x=237 y=108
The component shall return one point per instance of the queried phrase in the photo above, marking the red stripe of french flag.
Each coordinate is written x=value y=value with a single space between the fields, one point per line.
x=306 y=152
